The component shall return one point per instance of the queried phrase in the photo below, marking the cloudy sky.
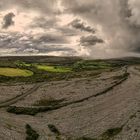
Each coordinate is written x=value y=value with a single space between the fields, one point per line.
x=94 y=28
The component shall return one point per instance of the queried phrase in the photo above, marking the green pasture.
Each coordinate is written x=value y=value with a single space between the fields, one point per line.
x=15 y=72
x=91 y=65
x=58 y=69
x=45 y=67
x=78 y=66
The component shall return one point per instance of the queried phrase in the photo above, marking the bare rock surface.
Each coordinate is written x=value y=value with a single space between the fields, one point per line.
x=116 y=108
x=10 y=91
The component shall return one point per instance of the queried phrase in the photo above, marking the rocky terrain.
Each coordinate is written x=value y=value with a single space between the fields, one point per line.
x=101 y=107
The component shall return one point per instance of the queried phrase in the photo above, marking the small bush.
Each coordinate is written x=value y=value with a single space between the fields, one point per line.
x=31 y=134
x=90 y=65
x=30 y=110
x=53 y=129
x=22 y=110
x=111 y=133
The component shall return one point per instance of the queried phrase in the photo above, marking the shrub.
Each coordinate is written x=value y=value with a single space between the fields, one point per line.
x=53 y=129
x=31 y=134
x=111 y=133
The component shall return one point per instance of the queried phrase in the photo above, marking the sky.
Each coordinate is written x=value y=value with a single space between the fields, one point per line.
x=88 y=28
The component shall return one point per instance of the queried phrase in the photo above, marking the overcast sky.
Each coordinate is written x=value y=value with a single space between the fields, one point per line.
x=95 y=28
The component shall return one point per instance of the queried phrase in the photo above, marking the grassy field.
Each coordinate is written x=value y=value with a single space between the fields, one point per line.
x=40 y=69
x=19 y=71
x=48 y=68
x=91 y=65
x=54 y=68
x=14 y=72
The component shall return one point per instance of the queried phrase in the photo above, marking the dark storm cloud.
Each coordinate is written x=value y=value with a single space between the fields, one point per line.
x=50 y=38
x=52 y=23
x=42 y=22
x=13 y=40
x=8 y=20
x=119 y=20
x=27 y=44
x=78 y=6
x=44 y=6
x=67 y=31
x=52 y=48
x=40 y=14
x=43 y=49
x=90 y=40
x=78 y=24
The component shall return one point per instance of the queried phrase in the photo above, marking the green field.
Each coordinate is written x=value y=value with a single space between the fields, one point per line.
x=53 y=68
x=91 y=65
x=57 y=69
x=15 y=72
x=41 y=69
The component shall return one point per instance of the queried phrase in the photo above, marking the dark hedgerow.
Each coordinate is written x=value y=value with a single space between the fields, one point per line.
x=22 y=110
x=30 y=110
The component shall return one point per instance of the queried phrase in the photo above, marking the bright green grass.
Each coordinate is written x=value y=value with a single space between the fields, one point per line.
x=53 y=68
x=15 y=72
x=59 y=69
x=21 y=63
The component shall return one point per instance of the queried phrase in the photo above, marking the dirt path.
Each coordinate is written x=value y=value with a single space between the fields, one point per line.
x=37 y=86
x=19 y=97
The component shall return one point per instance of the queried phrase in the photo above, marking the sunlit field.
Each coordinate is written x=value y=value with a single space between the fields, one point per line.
x=14 y=72
x=53 y=68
